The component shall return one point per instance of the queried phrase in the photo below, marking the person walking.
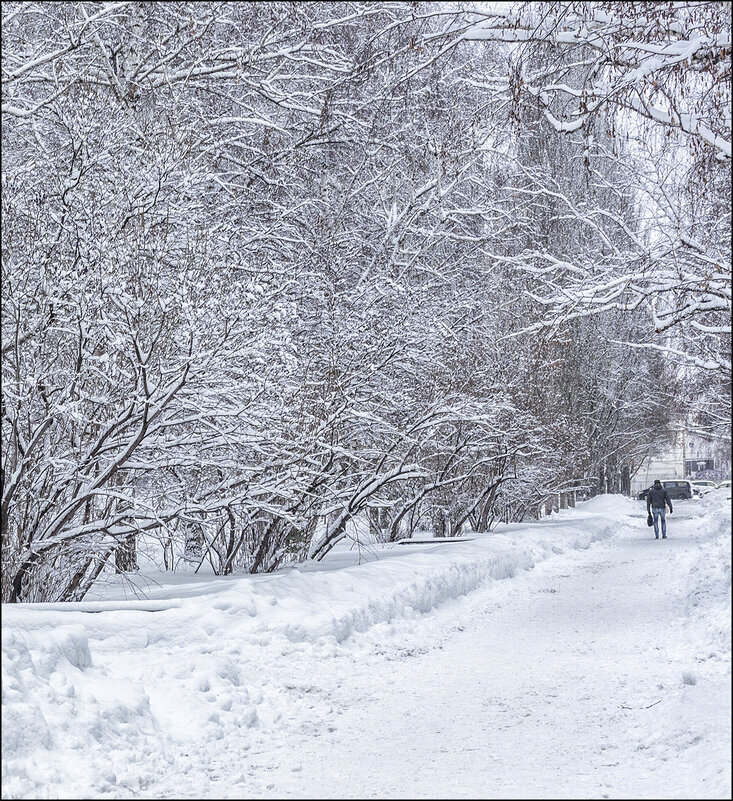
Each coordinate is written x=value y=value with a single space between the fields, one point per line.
x=656 y=499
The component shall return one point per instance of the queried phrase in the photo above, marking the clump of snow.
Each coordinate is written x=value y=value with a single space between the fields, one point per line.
x=63 y=719
x=689 y=677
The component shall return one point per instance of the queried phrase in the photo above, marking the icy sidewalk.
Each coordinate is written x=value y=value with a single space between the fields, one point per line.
x=125 y=701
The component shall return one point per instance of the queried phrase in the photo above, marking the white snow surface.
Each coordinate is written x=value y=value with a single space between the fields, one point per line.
x=573 y=657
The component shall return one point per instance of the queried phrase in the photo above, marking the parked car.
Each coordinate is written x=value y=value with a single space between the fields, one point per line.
x=677 y=490
x=704 y=485
x=725 y=483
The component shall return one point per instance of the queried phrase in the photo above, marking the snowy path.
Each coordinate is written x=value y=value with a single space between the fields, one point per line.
x=546 y=692
x=594 y=674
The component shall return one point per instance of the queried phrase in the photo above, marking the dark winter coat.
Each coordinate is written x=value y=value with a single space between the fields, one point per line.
x=657 y=497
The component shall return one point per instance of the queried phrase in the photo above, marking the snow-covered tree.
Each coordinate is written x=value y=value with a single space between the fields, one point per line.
x=271 y=270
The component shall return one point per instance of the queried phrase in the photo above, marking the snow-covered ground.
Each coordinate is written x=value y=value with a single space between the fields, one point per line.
x=575 y=657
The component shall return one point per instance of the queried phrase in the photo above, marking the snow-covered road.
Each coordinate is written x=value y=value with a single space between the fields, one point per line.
x=603 y=671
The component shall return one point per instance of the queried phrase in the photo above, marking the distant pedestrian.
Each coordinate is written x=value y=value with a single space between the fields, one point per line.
x=656 y=498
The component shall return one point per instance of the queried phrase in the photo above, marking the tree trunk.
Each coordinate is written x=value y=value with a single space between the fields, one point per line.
x=126 y=555
x=194 y=546
x=374 y=518
x=91 y=577
x=268 y=543
x=438 y=521
x=626 y=480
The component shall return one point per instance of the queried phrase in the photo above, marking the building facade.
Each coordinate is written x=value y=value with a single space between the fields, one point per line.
x=686 y=456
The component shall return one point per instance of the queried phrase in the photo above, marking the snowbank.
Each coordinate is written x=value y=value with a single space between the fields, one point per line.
x=709 y=585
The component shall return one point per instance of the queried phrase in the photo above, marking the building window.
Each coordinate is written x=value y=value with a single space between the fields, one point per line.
x=695 y=466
